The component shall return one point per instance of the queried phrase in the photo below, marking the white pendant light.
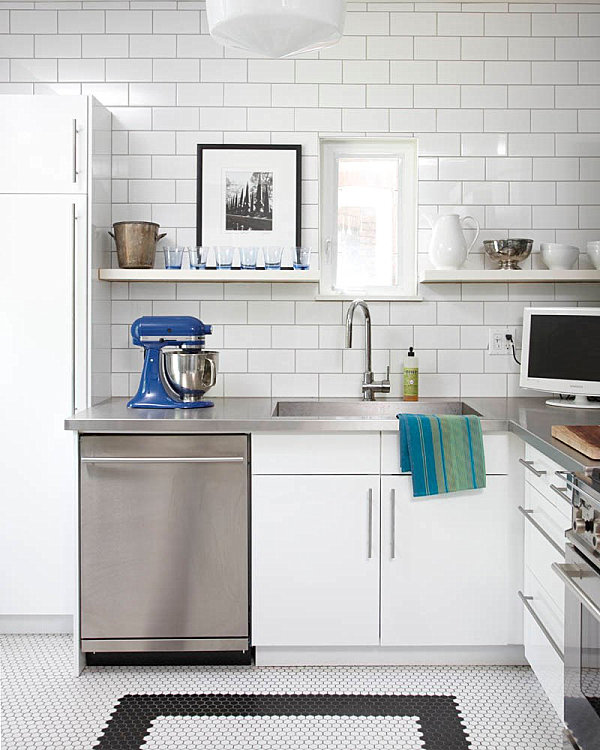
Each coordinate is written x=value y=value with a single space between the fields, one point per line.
x=276 y=28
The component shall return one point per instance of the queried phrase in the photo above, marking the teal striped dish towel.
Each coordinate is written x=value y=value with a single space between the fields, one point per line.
x=444 y=454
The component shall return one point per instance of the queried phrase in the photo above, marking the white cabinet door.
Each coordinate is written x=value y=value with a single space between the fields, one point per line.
x=450 y=566
x=44 y=244
x=43 y=144
x=315 y=560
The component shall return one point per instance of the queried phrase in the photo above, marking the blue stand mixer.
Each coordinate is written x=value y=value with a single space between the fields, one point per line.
x=177 y=369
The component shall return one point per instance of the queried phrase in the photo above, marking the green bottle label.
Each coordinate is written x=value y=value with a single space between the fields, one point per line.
x=411 y=381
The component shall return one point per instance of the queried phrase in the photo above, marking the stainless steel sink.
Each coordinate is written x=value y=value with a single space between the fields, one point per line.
x=368 y=409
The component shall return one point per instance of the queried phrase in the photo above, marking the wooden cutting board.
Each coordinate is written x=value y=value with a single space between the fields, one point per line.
x=584 y=438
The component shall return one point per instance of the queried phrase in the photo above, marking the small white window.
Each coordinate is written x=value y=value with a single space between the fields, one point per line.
x=368 y=217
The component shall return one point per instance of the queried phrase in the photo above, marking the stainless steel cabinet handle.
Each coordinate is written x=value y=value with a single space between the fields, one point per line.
x=559 y=491
x=370 y=531
x=147 y=460
x=328 y=250
x=75 y=173
x=540 y=624
x=528 y=515
x=393 y=525
x=529 y=465
x=566 y=572
x=568 y=477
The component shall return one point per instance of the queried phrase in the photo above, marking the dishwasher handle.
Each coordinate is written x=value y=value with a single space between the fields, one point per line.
x=168 y=460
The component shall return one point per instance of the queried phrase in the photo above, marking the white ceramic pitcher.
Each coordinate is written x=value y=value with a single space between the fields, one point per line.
x=448 y=248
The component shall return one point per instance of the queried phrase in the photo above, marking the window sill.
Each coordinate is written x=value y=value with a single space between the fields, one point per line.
x=368 y=297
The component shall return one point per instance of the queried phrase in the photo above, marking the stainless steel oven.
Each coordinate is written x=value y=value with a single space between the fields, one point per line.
x=581 y=576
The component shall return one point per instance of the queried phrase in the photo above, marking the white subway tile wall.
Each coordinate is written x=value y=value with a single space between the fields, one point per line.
x=505 y=102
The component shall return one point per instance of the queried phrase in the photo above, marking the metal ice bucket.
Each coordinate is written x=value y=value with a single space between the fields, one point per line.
x=136 y=243
x=189 y=372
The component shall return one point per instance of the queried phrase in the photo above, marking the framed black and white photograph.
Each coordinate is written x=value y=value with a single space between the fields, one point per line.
x=249 y=201
x=249 y=195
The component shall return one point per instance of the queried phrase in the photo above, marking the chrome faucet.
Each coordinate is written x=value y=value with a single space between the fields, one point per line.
x=369 y=386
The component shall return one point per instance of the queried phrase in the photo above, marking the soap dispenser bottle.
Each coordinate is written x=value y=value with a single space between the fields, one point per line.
x=411 y=376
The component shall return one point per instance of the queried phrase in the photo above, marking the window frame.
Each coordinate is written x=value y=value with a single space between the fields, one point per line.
x=331 y=149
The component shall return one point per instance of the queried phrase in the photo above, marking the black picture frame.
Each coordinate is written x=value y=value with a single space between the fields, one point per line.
x=203 y=147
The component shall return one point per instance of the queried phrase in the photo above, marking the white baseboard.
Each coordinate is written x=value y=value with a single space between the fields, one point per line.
x=36 y=623
x=374 y=655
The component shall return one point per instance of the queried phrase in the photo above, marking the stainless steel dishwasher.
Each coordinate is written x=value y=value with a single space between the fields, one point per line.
x=164 y=543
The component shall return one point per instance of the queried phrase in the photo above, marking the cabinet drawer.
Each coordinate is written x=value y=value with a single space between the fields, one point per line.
x=541 y=463
x=545 y=662
x=547 y=515
x=496 y=447
x=545 y=607
x=539 y=552
x=338 y=453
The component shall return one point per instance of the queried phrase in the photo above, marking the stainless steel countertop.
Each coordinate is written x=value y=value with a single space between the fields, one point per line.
x=529 y=418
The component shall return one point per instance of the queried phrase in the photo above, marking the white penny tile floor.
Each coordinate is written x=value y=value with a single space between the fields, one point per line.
x=285 y=733
x=259 y=708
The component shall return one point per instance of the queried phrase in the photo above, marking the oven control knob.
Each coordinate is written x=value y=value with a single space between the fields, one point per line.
x=596 y=528
x=596 y=542
x=579 y=526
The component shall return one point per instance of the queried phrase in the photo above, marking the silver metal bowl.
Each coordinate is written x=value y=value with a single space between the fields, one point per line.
x=189 y=372
x=509 y=253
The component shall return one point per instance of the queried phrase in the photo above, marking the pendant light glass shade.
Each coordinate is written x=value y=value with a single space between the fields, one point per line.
x=276 y=28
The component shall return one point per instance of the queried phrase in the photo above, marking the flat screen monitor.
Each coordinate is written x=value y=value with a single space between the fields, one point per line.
x=561 y=353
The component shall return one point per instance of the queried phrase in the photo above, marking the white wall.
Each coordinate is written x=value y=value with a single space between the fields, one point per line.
x=505 y=102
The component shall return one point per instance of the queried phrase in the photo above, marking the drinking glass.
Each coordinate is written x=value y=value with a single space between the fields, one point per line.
x=198 y=257
x=224 y=257
x=301 y=258
x=248 y=257
x=272 y=257
x=173 y=257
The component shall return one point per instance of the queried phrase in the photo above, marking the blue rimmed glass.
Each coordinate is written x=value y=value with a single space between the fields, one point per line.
x=272 y=257
x=248 y=257
x=224 y=257
x=173 y=257
x=301 y=258
x=198 y=257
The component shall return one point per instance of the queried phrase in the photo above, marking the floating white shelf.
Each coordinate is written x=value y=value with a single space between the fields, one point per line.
x=209 y=274
x=466 y=276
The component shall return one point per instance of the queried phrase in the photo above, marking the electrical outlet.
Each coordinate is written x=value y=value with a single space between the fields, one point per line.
x=498 y=343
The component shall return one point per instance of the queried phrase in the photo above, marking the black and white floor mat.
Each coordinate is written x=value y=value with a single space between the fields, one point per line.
x=265 y=708
x=286 y=722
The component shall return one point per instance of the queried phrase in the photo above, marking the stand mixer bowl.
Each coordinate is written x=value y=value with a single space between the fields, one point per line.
x=190 y=373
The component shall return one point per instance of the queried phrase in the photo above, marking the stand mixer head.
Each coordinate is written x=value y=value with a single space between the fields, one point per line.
x=177 y=370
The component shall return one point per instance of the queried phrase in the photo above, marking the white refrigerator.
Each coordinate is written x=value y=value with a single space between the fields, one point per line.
x=46 y=279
